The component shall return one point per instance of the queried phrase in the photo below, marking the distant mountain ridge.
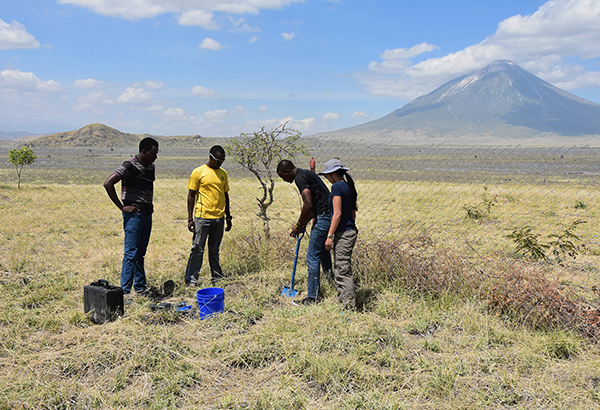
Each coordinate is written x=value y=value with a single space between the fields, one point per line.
x=501 y=102
x=5 y=135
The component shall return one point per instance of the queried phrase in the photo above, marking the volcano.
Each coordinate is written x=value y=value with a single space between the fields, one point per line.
x=499 y=103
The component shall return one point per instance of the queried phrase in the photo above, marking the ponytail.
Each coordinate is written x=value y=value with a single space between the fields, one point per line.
x=353 y=193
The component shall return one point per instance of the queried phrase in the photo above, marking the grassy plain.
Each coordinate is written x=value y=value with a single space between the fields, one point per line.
x=424 y=336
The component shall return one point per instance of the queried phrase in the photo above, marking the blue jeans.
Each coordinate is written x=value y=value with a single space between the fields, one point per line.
x=137 y=229
x=213 y=230
x=316 y=245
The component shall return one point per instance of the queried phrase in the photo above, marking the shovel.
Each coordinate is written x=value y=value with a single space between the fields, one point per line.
x=291 y=292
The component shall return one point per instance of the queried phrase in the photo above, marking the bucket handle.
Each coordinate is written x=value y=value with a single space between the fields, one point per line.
x=207 y=302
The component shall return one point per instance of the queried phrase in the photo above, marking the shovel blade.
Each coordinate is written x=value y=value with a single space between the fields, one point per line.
x=289 y=292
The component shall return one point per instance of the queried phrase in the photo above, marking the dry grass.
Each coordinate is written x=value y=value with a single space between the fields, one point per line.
x=449 y=316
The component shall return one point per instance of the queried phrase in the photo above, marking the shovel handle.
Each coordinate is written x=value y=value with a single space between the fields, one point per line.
x=298 y=239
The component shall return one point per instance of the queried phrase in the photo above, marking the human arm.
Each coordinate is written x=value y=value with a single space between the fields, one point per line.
x=191 y=204
x=227 y=213
x=305 y=214
x=109 y=186
x=335 y=221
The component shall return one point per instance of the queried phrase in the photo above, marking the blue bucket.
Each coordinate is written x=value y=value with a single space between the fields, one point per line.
x=210 y=301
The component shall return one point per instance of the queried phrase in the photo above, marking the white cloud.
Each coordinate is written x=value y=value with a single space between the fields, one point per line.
x=253 y=39
x=331 y=116
x=83 y=107
x=153 y=85
x=174 y=113
x=210 y=44
x=360 y=114
x=263 y=108
x=542 y=42
x=240 y=26
x=300 y=125
x=89 y=102
x=139 y=9
x=202 y=92
x=134 y=95
x=92 y=97
x=245 y=28
x=14 y=36
x=88 y=83
x=15 y=80
x=202 y=18
x=288 y=36
x=268 y=123
x=239 y=110
x=216 y=115
x=407 y=53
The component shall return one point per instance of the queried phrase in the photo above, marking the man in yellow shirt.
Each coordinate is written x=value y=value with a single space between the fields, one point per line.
x=208 y=214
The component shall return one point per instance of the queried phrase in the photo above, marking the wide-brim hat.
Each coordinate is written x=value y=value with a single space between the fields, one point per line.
x=333 y=165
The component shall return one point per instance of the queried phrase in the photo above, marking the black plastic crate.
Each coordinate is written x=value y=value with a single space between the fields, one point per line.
x=104 y=301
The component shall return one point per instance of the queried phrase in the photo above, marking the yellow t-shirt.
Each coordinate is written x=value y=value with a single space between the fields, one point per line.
x=211 y=185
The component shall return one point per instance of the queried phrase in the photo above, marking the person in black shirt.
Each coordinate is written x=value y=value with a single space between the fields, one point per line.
x=315 y=204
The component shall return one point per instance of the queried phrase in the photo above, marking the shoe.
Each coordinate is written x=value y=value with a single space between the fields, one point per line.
x=307 y=301
x=143 y=292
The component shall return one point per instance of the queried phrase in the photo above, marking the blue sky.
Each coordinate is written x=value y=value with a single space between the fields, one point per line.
x=223 y=67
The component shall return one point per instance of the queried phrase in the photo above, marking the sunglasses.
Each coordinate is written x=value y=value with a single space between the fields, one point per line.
x=220 y=161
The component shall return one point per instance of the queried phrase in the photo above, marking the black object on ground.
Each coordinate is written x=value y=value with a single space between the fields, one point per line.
x=104 y=301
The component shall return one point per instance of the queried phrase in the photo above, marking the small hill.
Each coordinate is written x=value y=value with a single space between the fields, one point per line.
x=100 y=135
x=92 y=135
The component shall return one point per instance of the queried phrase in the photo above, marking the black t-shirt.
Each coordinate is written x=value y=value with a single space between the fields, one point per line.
x=319 y=192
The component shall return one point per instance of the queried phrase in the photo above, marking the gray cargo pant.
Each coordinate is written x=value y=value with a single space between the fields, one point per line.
x=343 y=244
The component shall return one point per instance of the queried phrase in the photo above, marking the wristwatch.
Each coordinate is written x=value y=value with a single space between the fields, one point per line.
x=330 y=235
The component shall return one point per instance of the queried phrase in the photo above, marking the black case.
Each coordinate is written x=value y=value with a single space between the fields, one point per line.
x=103 y=300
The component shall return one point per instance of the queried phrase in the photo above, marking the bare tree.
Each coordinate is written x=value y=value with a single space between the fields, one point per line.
x=260 y=152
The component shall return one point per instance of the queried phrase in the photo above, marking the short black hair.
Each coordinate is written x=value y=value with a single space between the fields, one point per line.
x=217 y=149
x=285 y=165
x=147 y=144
